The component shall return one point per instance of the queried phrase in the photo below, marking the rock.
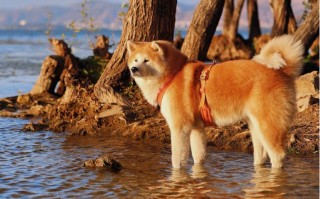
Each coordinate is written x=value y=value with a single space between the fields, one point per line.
x=34 y=127
x=308 y=84
x=104 y=161
x=24 y=99
x=307 y=87
x=35 y=110
x=304 y=102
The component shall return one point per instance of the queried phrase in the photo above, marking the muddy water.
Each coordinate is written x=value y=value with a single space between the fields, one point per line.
x=49 y=165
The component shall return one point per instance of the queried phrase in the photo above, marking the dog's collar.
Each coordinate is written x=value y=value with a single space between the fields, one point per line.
x=163 y=89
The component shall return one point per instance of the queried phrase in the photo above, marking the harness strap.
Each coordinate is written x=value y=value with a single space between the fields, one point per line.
x=163 y=90
x=203 y=106
x=204 y=109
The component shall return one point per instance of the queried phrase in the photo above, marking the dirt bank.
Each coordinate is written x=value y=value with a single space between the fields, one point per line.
x=83 y=115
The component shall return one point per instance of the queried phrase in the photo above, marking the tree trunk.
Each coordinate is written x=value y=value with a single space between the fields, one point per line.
x=283 y=21
x=233 y=30
x=227 y=16
x=145 y=21
x=308 y=31
x=253 y=19
x=202 y=28
x=292 y=23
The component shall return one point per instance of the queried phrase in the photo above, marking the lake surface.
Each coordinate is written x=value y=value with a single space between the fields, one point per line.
x=49 y=165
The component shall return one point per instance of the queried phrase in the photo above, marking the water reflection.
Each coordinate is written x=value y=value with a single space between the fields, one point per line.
x=199 y=171
x=266 y=183
x=183 y=183
x=179 y=175
x=241 y=181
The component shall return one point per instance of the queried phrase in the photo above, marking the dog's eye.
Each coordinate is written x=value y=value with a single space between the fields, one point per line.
x=135 y=60
x=146 y=60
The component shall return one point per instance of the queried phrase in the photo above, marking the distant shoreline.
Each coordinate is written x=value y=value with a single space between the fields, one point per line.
x=58 y=30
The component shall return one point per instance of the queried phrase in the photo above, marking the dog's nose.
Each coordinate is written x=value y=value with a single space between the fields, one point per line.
x=134 y=69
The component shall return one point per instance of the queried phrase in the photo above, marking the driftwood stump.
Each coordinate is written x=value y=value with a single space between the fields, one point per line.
x=51 y=70
x=101 y=47
x=70 y=66
x=56 y=70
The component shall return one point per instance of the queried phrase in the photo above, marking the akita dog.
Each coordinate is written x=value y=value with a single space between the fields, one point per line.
x=260 y=91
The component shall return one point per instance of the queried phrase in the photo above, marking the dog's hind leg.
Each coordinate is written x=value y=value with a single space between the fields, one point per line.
x=259 y=152
x=271 y=137
x=180 y=147
x=274 y=144
x=198 y=143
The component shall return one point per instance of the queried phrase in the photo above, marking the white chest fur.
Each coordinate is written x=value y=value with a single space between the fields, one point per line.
x=149 y=88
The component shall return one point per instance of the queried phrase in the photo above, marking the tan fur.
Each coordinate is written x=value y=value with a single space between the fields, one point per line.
x=282 y=52
x=241 y=89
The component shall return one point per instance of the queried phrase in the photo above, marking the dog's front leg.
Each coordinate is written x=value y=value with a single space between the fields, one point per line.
x=180 y=146
x=198 y=145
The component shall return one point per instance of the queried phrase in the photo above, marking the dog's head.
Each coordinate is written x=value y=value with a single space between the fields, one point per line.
x=152 y=59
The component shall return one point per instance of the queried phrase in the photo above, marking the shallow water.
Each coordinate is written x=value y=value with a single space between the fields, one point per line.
x=49 y=165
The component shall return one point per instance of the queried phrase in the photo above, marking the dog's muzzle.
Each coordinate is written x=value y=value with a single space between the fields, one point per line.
x=134 y=69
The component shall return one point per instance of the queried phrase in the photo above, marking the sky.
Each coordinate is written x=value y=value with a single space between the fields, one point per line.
x=16 y=4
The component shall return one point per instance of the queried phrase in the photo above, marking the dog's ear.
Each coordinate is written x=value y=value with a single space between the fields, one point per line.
x=131 y=46
x=157 y=46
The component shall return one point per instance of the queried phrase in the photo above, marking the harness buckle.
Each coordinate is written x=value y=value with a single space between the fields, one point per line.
x=204 y=75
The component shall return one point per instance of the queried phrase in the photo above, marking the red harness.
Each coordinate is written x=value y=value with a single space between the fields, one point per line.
x=204 y=108
x=163 y=89
x=205 y=111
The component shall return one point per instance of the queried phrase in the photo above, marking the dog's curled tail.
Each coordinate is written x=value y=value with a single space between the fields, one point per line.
x=282 y=53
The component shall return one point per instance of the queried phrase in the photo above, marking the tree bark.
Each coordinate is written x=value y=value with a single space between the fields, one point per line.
x=227 y=16
x=145 y=21
x=233 y=29
x=308 y=31
x=283 y=21
x=253 y=20
x=292 y=23
x=202 y=28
